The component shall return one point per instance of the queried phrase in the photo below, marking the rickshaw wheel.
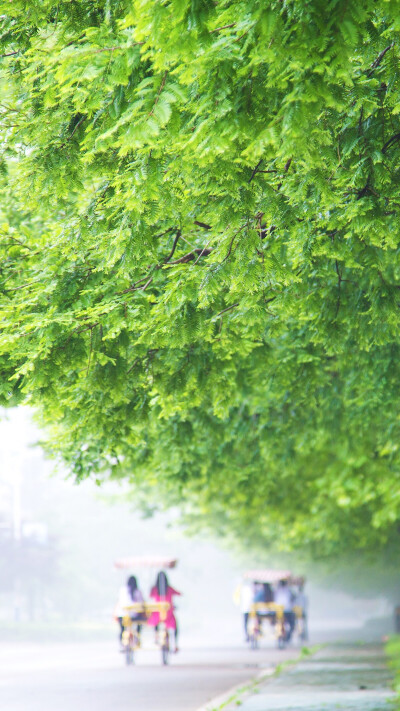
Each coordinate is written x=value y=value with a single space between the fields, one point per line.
x=165 y=647
x=129 y=658
x=254 y=641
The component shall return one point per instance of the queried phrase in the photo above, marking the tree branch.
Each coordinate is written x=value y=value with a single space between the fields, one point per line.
x=73 y=131
x=18 y=241
x=229 y=308
x=77 y=126
x=143 y=288
x=285 y=170
x=379 y=58
x=110 y=49
x=224 y=27
x=203 y=250
x=24 y=286
x=134 y=286
x=176 y=240
x=82 y=329
x=255 y=171
x=391 y=141
x=192 y=255
x=159 y=92
x=162 y=234
x=339 y=285
x=228 y=254
x=135 y=362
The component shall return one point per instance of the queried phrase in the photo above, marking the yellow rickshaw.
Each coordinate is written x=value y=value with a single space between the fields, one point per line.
x=284 y=623
x=131 y=640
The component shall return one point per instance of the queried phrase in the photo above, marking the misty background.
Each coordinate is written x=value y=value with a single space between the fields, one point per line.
x=59 y=541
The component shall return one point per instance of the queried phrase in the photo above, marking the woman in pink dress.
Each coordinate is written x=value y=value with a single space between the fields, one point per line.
x=163 y=592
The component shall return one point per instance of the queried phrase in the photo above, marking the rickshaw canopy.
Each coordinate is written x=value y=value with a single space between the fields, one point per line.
x=146 y=562
x=267 y=575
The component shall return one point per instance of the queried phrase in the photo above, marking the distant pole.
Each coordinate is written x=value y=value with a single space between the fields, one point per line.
x=11 y=468
x=17 y=534
x=17 y=509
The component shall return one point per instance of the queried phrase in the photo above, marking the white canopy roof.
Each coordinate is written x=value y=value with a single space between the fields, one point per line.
x=146 y=562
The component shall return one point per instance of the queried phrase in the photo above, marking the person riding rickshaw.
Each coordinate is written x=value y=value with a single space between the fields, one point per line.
x=274 y=601
x=157 y=611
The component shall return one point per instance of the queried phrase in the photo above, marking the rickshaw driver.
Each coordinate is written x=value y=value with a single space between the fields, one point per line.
x=163 y=592
x=284 y=596
x=244 y=598
x=301 y=600
x=128 y=594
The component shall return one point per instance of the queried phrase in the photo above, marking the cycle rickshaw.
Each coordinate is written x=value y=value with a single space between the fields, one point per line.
x=131 y=638
x=284 y=624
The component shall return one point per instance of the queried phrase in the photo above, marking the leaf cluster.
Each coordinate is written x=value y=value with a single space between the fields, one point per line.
x=200 y=255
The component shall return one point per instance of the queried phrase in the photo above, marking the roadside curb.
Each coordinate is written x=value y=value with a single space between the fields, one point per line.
x=218 y=703
x=228 y=697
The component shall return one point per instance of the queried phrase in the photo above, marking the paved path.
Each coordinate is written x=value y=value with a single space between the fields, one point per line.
x=82 y=676
x=347 y=677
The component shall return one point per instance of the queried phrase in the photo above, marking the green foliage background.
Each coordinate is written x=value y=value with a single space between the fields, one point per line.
x=200 y=256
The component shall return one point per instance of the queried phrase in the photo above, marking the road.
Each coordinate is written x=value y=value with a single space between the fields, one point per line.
x=79 y=676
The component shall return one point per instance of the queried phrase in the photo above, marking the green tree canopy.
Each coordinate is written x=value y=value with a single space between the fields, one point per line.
x=200 y=254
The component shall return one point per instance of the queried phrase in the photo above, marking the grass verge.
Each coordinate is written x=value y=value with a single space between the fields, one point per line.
x=392 y=649
x=252 y=687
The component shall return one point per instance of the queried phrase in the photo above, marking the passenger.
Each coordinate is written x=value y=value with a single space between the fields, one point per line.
x=265 y=595
x=284 y=596
x=301 y=600
x=258 y=592
x=163 y=592
x=129 y=594
x=268 y=594
x=244 y=597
